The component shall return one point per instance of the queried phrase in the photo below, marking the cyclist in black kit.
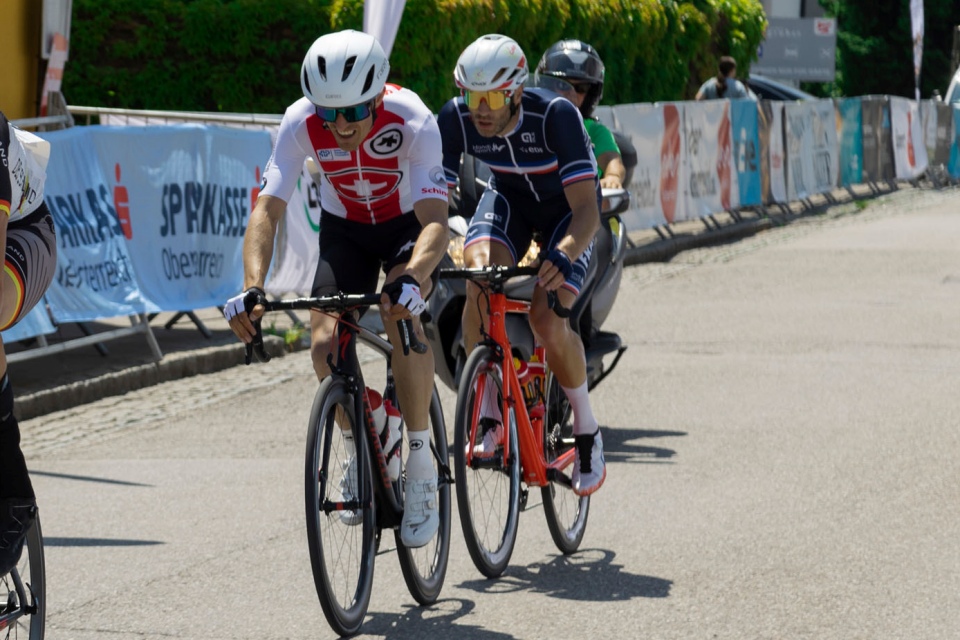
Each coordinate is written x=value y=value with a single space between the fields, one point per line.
x=26 y=229
x=544 y=180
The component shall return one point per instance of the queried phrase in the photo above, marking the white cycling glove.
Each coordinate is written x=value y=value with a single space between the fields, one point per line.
x=245 y=302
x=405 y=291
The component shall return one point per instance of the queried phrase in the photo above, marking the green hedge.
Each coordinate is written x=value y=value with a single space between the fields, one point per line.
x=244 y=55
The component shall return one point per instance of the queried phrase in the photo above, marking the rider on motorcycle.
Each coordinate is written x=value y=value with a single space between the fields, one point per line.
x=574 y=69
x=544 y=179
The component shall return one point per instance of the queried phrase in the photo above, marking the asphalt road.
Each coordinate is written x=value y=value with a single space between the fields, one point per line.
x=782 y=440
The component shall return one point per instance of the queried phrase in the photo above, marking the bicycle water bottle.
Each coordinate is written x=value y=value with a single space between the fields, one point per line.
x=538 y=392
x=529 y=385
x=387 y=420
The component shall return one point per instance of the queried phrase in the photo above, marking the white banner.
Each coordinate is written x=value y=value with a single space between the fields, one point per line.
x=654 y=189
x=778 y=155
x=711 y=181
x=906 y=129
x=916 y=29
x=298 y=248
x=813 y=149
x=381 y=19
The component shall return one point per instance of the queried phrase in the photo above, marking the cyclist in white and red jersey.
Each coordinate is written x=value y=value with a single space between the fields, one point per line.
x=384 y=206
x=26 y=231
x=544 y=181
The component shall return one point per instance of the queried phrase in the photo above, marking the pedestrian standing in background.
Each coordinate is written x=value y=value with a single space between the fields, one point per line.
x=724 y=84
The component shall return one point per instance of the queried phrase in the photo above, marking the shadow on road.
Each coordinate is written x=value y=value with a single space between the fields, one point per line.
x=97 y=542
x=68 y=476
x=619 y=445
x=589 y=575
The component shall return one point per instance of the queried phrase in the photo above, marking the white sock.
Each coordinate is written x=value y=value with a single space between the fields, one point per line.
x=420 y=458
x=583 y=421
x=489 y=406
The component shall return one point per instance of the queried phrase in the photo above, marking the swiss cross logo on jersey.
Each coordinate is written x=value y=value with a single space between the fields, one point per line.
x=372 y=184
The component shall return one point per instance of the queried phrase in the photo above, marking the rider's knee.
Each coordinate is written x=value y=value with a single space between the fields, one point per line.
x=319 y=351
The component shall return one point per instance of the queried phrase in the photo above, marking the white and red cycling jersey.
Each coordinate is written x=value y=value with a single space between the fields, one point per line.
x=399 y=162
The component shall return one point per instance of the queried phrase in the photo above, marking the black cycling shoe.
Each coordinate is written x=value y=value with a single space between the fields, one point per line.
x=16 y=518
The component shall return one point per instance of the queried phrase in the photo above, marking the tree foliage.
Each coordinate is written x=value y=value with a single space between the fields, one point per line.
x=245 y=55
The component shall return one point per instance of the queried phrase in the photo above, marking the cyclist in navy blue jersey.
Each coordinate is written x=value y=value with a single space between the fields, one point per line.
x=545 y=181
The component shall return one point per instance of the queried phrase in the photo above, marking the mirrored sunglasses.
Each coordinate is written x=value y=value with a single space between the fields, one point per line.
x=356 y=113
x=494 y=99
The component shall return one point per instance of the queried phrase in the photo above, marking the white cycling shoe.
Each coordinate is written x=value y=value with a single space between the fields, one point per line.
x=348 y=493
x=421 y=519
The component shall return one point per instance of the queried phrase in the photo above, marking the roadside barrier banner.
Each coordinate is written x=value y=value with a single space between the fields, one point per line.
x=298 y=245
x=95 y=275
x=654 y=189
x=812 y=148
x=746 y=150
x=189 y=192
x=877 y=145
x=909 y=152
x=711 y=184
x=773 y=152
x=851 y=141
x=954 y=166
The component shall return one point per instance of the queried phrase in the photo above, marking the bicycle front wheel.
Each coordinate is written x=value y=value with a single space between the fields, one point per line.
x=488 y=489
x=23 y=610
x=424 y=568
x=566 y=512
x=341 y=518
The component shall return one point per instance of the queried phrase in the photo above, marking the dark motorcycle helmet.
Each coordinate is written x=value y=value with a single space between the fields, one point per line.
x=578 y=61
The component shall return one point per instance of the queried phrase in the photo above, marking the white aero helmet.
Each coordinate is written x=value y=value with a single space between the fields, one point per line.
x=491 y=63
x=344 y=69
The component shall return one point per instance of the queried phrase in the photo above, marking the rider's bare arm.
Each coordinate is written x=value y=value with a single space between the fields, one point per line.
x=611 y=163
x=432 y=242
x=259 y=238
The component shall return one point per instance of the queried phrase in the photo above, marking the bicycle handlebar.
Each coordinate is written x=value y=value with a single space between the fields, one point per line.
x=497 y=275
x=339 y=303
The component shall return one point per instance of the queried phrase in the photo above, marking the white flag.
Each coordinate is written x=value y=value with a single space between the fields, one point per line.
x=381 y=19
x=916 y=22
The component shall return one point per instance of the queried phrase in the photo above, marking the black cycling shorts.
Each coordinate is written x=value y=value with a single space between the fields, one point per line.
x=352 y=254
x=30 y=262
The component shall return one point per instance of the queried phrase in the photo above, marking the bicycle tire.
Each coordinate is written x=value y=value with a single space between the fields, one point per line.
x=26 y=619
x=490 y=534
x=565 y=511
x=425 y=568
x=341 y=554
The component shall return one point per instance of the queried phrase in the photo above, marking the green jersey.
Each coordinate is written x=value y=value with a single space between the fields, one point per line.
x=602 y=139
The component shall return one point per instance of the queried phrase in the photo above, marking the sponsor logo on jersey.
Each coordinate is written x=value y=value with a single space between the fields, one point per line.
x=529 y=137
x=372 y=185
x=493 y=147
x=437 y=176
x=333 y=154
x=386 y=142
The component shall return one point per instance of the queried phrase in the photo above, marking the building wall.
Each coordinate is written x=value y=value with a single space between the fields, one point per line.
x=20 y=52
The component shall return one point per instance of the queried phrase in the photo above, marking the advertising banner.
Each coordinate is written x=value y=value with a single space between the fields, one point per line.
x=298 y=243
x=95 y=275
x=851 y=141
x=653 y=191
x=909 y=152
x=189 y=192
x=35 y=323
x=711 y=181
x=746 y=150
x=877 y=145
x=773 y=152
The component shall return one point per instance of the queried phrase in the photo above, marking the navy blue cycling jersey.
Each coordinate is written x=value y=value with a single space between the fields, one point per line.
x=548 y=150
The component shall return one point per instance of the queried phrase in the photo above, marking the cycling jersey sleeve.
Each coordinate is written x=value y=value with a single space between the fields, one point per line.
x=451 y=132
x=286 y=162
x=575 y=159
x=426 y=173
x=6 y=191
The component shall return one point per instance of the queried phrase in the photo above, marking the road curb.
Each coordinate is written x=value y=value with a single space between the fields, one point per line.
x=174 y=366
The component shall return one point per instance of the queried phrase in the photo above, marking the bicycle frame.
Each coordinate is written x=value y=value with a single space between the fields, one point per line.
x=536 y=470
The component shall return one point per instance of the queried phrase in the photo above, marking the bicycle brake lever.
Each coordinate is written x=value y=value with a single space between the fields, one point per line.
x=553 y=300
x=408 y=337
x=255 y=347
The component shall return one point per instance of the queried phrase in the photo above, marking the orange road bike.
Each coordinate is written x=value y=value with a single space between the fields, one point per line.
x=23 y=612
x=537 y=448
x=346 y=514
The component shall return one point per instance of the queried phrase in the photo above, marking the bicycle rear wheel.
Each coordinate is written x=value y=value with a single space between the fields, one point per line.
x=24 y=606
x=566 y=512
x=488 y=490
x=425 y=568
x=342 y=539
